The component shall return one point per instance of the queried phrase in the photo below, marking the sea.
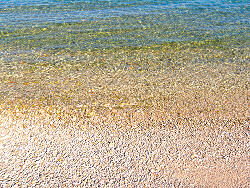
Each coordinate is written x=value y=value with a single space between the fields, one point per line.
x=27 y=25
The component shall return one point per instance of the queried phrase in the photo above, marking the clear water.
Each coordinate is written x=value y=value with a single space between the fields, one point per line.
x=87 y=24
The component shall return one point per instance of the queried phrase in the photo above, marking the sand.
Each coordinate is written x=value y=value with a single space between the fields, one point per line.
x=119 y=118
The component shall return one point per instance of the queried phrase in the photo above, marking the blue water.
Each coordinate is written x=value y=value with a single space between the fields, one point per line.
x=126 y=22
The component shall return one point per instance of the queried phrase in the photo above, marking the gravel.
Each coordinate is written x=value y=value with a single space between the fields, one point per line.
x=179 y=152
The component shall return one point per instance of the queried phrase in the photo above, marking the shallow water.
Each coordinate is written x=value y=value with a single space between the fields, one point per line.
x=81 y=24
x=51 y=81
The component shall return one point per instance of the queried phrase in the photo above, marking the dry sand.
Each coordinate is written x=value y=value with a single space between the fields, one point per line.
x=154 y=118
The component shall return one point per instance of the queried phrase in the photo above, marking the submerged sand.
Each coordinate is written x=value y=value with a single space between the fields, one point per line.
x=151 y=117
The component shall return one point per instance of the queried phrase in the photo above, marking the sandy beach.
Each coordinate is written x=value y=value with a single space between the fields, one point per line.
x=154 y=117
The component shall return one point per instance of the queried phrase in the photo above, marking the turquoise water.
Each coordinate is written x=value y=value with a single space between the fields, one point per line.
x=82 y=24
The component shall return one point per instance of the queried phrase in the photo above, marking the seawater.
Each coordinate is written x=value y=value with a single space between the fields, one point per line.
x=90 y=24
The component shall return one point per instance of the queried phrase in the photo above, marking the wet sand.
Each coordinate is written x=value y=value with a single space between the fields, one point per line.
x=151 y=117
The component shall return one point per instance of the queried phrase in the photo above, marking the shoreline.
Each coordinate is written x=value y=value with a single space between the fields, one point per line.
x=186 y=83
